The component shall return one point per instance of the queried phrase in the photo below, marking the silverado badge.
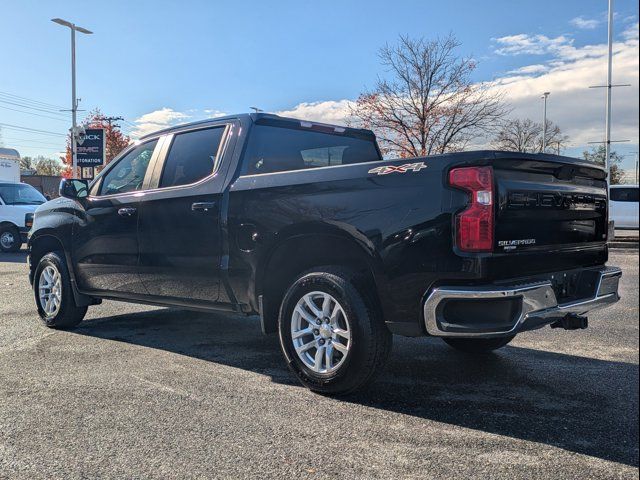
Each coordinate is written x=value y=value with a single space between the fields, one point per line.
x=416 y=167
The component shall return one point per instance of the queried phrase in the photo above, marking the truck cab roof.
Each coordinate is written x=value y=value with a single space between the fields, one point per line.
x=269 y=119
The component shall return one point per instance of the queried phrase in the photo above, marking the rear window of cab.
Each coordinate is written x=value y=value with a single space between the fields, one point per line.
x=272 y=149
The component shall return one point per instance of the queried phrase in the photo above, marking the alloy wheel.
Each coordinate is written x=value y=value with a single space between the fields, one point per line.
x=7 y=240
x=320 y=332
x=50 y=290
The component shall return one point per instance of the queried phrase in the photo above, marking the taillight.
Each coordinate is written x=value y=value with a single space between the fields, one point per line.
x=474 y=225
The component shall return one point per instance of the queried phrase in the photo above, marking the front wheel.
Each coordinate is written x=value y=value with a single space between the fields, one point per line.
x=10 y=240
x=54 y=298
x=331 y=333
x=478 y=345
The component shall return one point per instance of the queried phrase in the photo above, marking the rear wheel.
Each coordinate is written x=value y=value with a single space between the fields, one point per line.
x=10 y=240
x=54 y=298
x=478 y=345
x=331 y=333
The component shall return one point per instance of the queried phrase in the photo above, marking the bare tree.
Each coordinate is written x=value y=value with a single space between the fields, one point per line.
x=427 y=103
x=516 y=135
x=597 y=155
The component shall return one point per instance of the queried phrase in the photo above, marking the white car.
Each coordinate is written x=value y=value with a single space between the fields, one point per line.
x=623 y=206
x=18 y=201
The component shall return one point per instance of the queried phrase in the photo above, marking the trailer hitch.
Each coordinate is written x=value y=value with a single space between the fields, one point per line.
x=571 y=321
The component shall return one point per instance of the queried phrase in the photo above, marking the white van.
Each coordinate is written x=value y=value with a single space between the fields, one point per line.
x=18 y=201
x=623 y=206
x=9 y=165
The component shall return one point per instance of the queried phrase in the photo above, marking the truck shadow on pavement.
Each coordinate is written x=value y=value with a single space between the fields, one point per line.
x=578 y=404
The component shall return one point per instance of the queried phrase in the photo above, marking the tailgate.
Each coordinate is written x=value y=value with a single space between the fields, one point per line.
x=546 y=202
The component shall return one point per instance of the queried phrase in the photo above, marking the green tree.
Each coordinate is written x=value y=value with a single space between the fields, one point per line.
x=41 y=165
x=27 y=163
x=597 y=155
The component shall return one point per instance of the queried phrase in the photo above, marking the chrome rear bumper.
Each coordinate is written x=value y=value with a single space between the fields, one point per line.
x=538 y=304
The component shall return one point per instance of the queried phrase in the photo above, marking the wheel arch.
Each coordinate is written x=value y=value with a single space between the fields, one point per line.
x=41 y=244
x=45 y=242
x=7 y=223
x=303 y=250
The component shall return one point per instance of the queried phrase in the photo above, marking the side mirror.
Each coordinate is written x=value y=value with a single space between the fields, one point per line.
x=73 y=188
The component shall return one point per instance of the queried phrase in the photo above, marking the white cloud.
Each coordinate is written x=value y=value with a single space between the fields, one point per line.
x=525 y=44
x=330 y=111
x=156 y=120
x=530 y=69
x=631 y=32
x=578 y=109
x=584 y=23
x=213 y=113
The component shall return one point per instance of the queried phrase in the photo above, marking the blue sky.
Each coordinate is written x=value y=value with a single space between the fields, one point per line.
x=195 y=58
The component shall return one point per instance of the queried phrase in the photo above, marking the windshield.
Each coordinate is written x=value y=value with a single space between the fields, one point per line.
x=20 y=194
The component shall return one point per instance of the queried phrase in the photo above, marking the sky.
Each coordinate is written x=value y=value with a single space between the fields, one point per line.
x=160 y=63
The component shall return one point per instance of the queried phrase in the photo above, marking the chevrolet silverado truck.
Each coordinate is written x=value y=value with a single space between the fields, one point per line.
x=335 y=248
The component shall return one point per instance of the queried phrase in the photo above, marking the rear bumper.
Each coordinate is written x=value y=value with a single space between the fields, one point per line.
x=523 y=307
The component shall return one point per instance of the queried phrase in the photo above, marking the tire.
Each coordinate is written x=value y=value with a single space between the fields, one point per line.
x=64 y=314
x=478 y=345
x=356 y=325
x=10 y=240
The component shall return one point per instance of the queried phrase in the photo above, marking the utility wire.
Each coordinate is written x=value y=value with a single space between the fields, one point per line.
x=31 y=107
x=30 y=100
x=14 y=139
x=34 y=130
x=38 y=147
x=35 y=114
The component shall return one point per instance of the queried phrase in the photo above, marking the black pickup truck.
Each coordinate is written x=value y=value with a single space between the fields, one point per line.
x=335 y=248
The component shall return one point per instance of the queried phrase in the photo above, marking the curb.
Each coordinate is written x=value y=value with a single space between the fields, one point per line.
x=624 y=245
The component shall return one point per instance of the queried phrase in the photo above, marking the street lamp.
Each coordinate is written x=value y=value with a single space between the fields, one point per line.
x=74 y=104
x=544 y=96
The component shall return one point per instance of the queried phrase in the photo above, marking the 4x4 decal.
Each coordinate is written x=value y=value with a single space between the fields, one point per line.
x=415 y=167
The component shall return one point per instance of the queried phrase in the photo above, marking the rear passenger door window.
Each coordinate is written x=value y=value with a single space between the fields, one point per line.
x=192 y=156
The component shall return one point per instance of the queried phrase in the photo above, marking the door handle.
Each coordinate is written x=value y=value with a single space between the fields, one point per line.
x=203 y=206
x=126 y=211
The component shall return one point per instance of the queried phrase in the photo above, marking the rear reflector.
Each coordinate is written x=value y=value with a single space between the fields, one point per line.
x=475 y=225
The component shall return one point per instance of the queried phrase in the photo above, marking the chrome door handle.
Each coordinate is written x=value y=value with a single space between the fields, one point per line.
x=203 y=206
x=126 y=211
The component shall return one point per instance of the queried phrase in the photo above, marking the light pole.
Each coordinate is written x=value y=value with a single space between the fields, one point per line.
x=607 y=131
x=544 y=96
x=74 y=103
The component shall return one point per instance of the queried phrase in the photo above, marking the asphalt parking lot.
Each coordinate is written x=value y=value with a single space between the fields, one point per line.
x=142 y=392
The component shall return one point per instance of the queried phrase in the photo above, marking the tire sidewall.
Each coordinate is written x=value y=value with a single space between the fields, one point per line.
x=53 y=259
x=356 y=312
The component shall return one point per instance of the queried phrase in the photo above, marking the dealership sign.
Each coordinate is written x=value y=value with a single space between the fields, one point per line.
x=90 y=150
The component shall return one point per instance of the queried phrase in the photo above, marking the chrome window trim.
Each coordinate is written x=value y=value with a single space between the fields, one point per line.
x=118 y=159
x=165 y=141
x=216 y=166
